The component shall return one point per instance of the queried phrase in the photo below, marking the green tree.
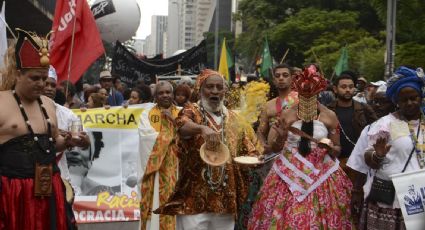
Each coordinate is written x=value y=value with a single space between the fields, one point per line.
x=312 y=27
x=260 y=17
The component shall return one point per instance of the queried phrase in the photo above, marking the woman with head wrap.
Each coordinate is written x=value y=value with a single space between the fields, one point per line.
x=306 y=188
x=395 y=145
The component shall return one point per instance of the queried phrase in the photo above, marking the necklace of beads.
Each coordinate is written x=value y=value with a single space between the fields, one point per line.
x=215 y=185
x=47 y=150
x=419 y=147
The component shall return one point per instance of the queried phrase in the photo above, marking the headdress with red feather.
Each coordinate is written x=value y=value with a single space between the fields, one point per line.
x=309 y=82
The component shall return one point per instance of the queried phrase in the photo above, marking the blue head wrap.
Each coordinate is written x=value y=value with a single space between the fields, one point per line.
x=402 y=78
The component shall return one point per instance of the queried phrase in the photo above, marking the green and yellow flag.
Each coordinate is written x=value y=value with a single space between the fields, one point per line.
x=226 y=61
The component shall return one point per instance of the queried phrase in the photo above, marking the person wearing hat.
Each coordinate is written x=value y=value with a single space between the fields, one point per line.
x=404 y=129
x=211 y=185
x=371 y=90
x=32 y=193
x=361 y=90
x=115 y=98
x=380 y=103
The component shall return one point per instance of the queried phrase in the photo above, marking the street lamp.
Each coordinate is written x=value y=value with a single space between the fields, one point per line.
x=390 y=38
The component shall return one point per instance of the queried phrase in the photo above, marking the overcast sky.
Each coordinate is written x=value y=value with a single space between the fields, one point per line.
x=149 y=8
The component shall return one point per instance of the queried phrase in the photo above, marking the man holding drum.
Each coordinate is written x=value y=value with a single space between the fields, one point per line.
x=210 y=187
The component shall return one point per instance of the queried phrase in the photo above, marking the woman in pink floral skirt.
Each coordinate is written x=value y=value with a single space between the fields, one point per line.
x=306 y=188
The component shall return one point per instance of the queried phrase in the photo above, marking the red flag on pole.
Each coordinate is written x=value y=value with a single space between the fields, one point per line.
x=74 y=17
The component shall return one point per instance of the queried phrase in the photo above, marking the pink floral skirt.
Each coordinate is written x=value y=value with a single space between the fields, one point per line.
x=325 y=207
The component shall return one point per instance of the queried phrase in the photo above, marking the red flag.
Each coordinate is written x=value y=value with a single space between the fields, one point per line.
x=88 y=45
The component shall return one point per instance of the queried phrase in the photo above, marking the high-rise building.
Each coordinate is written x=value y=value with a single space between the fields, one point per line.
x=188 y=20
x=173 y=28
x=149 y=47
x=139 y=45
x=225 y=16
x=30 y=15
x=158 y=28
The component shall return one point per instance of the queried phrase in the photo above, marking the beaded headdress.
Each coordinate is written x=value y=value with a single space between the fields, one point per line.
x=31 y=51
x=308 y=84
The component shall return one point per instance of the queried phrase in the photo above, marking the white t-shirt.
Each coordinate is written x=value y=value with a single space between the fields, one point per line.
x=356 y=160
x=65 y=116
x=401 y=147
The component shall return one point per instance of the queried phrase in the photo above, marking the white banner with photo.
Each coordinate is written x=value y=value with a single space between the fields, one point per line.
x=106 y=176
x=410 y=189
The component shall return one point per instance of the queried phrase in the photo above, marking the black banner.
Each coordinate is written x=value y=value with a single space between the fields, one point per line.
x=131 y=69
x=102 y=8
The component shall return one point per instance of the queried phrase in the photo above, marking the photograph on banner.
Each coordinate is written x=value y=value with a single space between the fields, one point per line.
x=105 y=176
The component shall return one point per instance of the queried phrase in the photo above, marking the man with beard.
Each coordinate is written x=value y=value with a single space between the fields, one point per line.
x=353 y=116
x=282 y=81
x=207 y=196
x=159 y=161
x=31 y=189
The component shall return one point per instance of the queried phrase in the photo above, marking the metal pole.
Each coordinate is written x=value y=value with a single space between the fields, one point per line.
x=390 y=37
x=217 y=11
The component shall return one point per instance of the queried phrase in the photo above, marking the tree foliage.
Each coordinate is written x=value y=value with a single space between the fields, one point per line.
x=316 y=30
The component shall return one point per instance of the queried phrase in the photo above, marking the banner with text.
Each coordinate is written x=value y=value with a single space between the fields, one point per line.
x=131 y=69
x=105 y=176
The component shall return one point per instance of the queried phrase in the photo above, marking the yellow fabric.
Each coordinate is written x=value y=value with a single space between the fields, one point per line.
x=223 y=68
x=163 y=159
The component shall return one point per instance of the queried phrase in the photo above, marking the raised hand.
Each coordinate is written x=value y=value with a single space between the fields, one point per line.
x=381 y=147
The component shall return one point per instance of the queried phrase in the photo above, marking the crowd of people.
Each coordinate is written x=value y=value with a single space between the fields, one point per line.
x=322 y=147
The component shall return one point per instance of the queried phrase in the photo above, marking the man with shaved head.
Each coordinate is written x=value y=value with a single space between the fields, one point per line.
x=209 y=196
x=160 y=161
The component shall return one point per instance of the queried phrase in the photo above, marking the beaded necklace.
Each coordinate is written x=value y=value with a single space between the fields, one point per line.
x=215 y=185
x=419 y=147
x=28 y=123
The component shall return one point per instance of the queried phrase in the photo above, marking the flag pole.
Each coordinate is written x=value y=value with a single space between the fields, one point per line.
x=7 y=26
x=318 y=61
x=284 y=56
x=70 y=55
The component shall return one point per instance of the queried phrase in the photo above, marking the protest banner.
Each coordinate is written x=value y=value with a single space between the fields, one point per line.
x=130 y=68
x=410 y=189
x=105 y=176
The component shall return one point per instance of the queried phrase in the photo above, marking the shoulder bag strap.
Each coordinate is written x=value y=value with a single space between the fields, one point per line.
x=414 y=147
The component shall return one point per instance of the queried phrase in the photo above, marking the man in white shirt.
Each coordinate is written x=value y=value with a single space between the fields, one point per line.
x=65 y=117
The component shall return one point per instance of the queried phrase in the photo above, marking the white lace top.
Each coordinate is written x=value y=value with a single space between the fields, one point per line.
x=320 y=131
